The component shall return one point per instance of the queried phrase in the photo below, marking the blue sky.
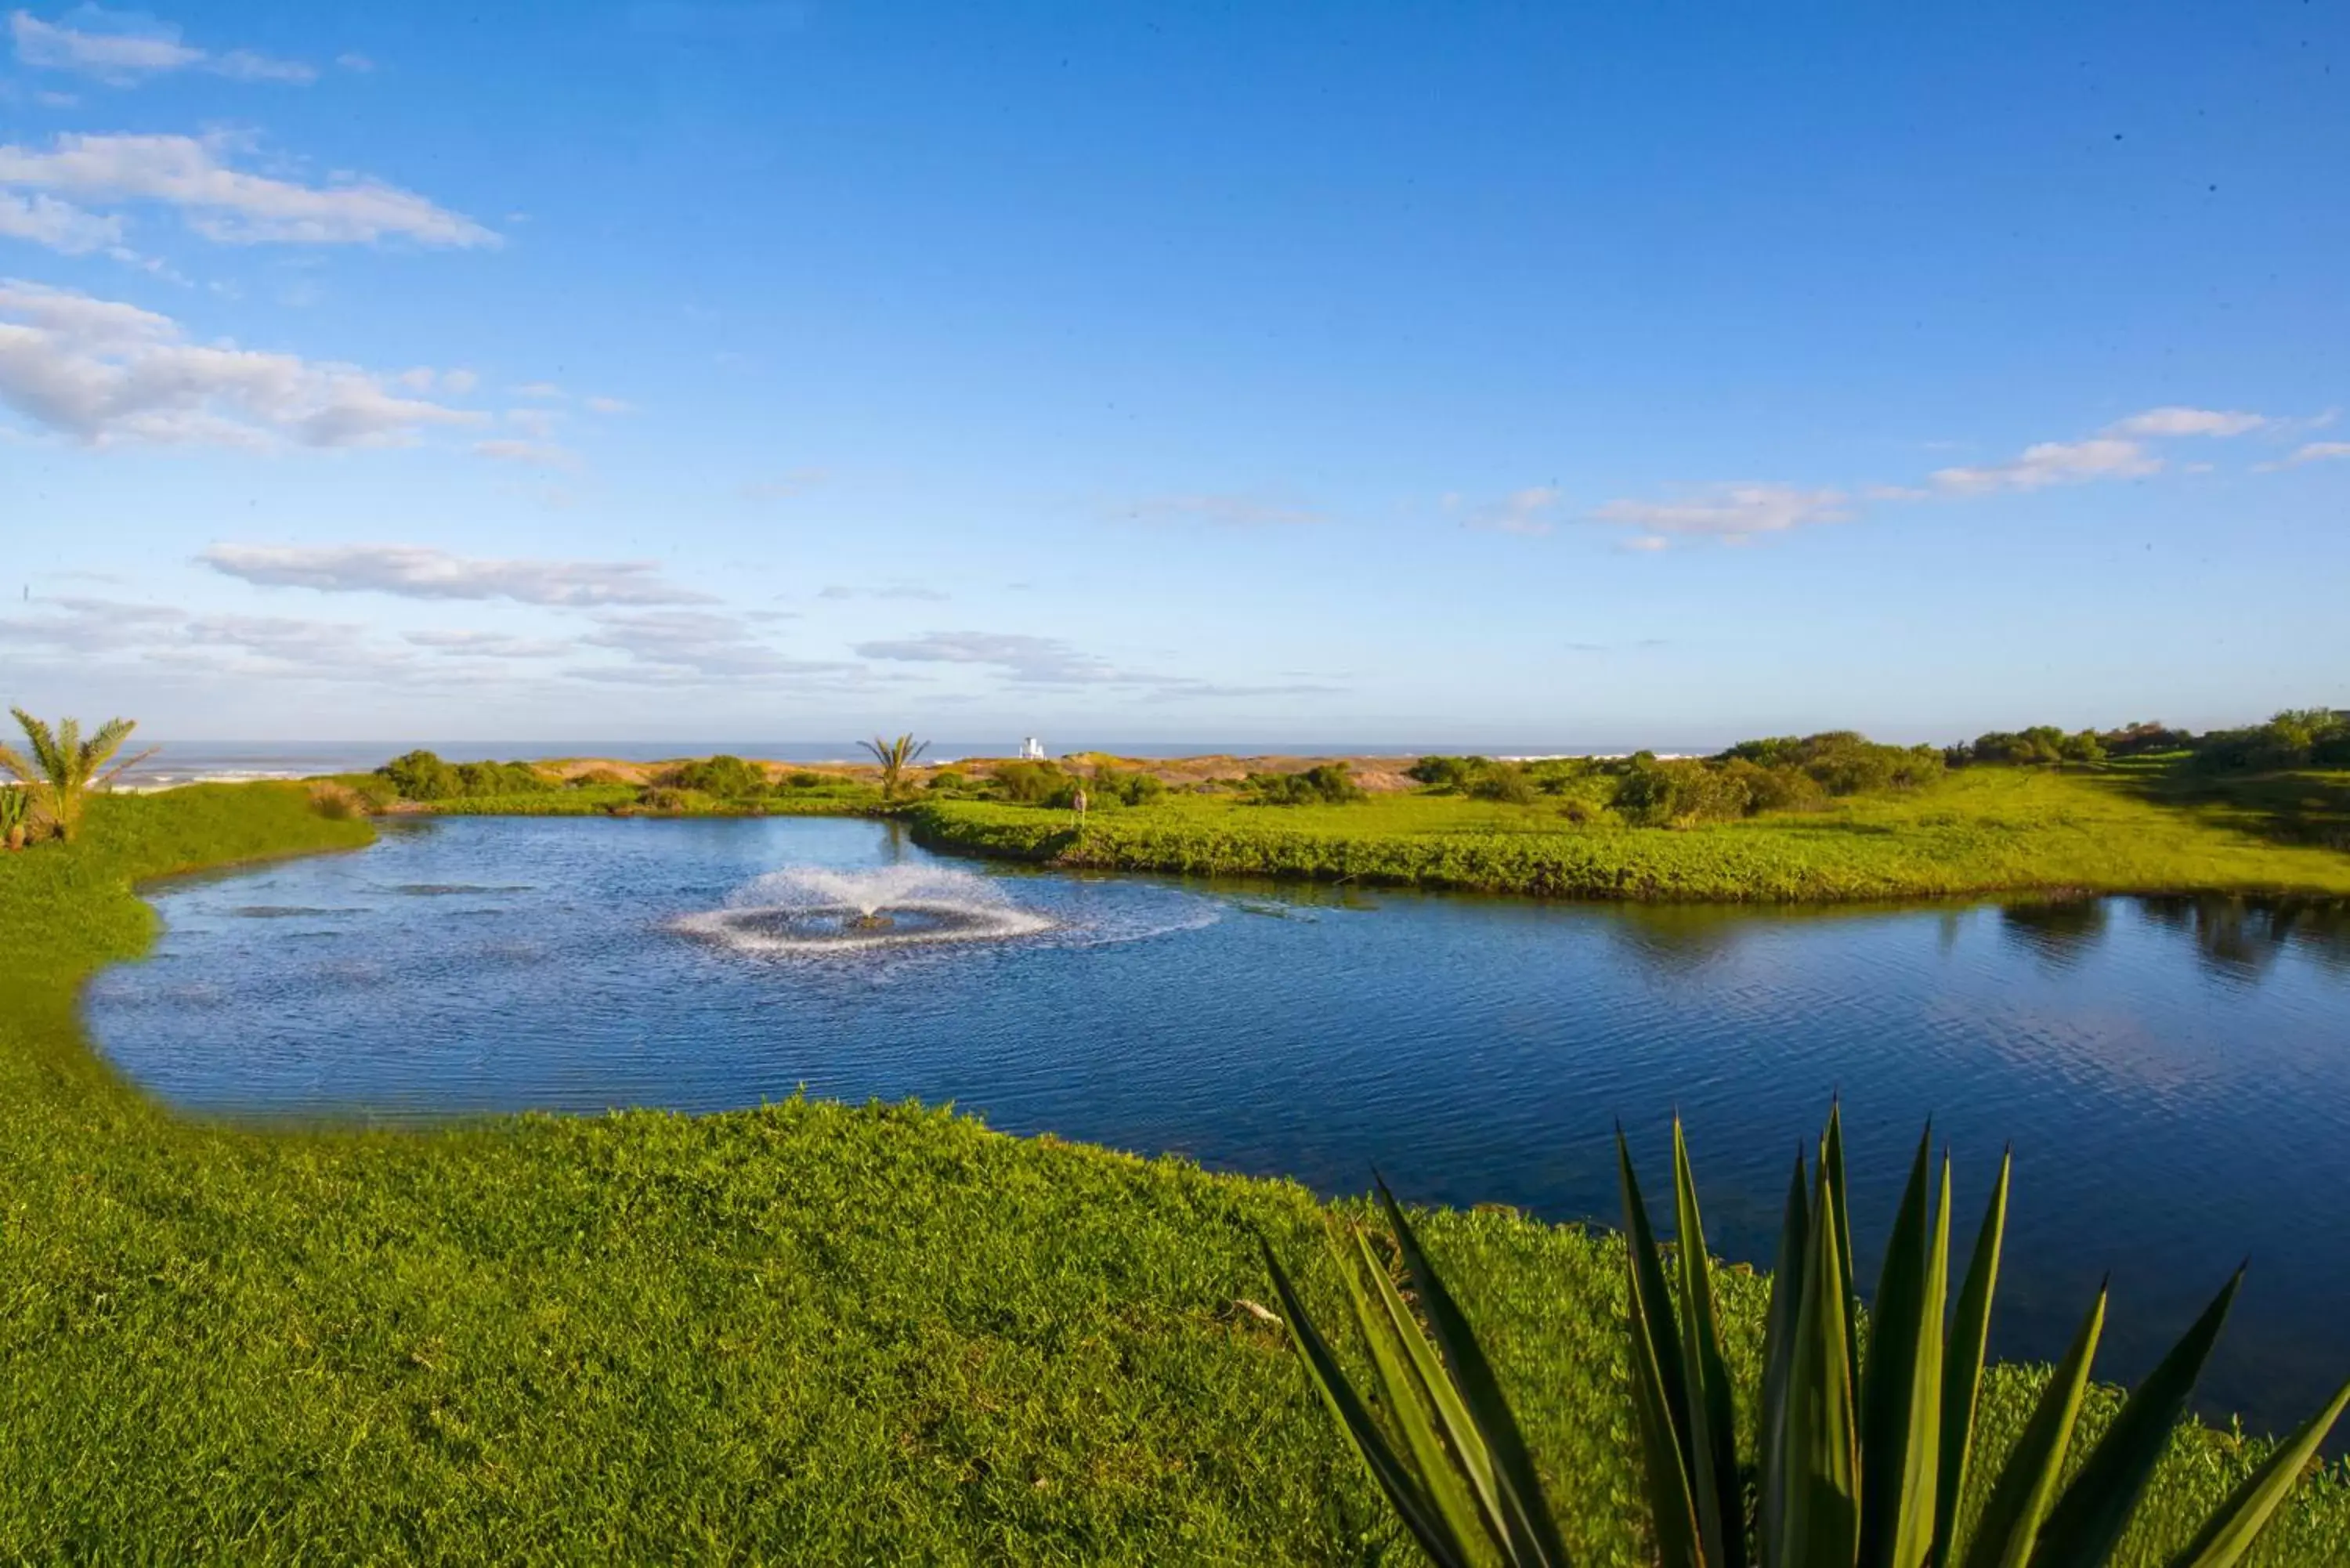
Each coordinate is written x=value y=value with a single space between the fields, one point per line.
x=1451 y=374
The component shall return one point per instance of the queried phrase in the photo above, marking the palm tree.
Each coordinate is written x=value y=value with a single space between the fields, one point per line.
x=63 y=768
x=895 y=757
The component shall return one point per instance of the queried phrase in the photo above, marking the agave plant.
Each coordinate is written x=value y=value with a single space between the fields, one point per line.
x=63 y=768
x=895 y=757
x=1862 y=1459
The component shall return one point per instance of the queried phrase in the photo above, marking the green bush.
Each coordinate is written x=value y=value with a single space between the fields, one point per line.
x=801 y=778
x=1126 y=786
x=728 y=778
x=1030 y=783
x=2296 y=738
x=1447 y=773
x=1325 y=783
x=1507 y=782
x=419 y=775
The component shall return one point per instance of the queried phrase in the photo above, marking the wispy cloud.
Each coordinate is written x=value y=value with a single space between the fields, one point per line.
x=107 y=373
x=123 y=49
x=887 y=591
x=1730 y=513
x=2053 y=463
x=2311 y=451
x=2124 y=450
x=228 y=204
x=681 y=645
x=534 y=454
x=2180 y=421
x=60 y=225
x=608 y=405
x=490 y=644
x=1044 y=661
x=1223 y=510
x=1049 y=661
x=421 y=572
x=1530 y=512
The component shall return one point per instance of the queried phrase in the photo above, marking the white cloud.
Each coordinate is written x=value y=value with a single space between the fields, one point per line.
x=490 y=644
x=691 y=645
x=1044 y=660
x=60 y=225
x=1528 y=512
x=124 y=49
x=2053 y=463
x=105 y=373
x=2309 y=452
x=610 y=406
x=536 y=453
x=229 y=204
x=1226 y=511
x=2179 y=421
x=417 y=571
x=888 y=591
x=161 y=639
x=547 y=391
x=356 y=63
x=538 y=423
x=1727 y=512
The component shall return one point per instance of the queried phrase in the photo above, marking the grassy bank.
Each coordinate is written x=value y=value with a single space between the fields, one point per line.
x=1984 y=830
x=803 y=1333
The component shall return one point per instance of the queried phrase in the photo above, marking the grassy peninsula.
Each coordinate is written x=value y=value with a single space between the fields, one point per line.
x=2155 y=828
x=803 y=1333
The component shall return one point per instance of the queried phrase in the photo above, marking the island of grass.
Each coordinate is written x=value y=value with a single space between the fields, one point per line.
x=805 y=1332
x=1903 y=825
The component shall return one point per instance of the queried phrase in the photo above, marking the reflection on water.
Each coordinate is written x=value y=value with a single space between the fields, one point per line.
x=2175 y=1073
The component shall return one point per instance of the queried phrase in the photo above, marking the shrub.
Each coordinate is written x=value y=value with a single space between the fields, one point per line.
x=801 y=778
x=499 y=778
x=1678 y=791
x=1506 y=781
x=2296 y=738
x=1031 y=783
x=1864 y=1460
x=419 y=775
x=1325 y=783
x=1446 y=772
x=598 y=778
x=664 y=797
x=728 y=778
x=1126 y=786
x=946 y=781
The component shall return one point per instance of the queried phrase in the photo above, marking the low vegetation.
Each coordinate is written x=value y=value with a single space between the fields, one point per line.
x=1982 y=830
x=801 y=1333
x=719 y=785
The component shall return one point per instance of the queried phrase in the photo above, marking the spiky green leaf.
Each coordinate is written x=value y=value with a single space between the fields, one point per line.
x=1533 y=1536
x=2088 y=1521
x=2010 y=1521
x=1963 y=1363
x=2228 y=1535
x=1901 y=1385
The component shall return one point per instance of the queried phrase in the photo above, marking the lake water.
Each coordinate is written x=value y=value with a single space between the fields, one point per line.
x=2175 y=1075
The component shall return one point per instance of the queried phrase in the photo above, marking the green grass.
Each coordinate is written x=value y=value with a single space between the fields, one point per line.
x=806 y=1333
x=1984 y=830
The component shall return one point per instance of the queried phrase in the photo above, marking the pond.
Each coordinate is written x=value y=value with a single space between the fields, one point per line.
x=2175 y=1075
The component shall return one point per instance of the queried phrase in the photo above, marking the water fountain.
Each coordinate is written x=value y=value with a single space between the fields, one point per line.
x=809 y=909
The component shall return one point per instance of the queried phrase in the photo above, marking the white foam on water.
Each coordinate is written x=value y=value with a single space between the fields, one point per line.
x=811 y=909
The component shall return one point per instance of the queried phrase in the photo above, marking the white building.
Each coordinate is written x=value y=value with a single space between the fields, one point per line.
x=1032 y=750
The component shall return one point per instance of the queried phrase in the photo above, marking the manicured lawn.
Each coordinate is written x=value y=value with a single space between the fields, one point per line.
x=1982 y=830
x=806 y=1333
